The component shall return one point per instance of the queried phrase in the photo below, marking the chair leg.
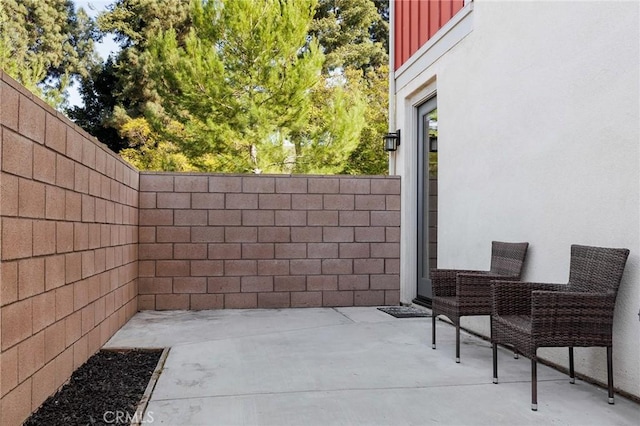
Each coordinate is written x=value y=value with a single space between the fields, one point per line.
x=433 y=330
x=610 y=373
x=572 y=375
x=458 y=343
x=491 y=328
x=534 y=384
x=495 y=363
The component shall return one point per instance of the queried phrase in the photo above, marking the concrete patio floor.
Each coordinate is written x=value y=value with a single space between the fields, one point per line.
x=346 y=366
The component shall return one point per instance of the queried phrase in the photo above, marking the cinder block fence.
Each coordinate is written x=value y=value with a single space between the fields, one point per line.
x=86 y=241
x=69 y=249
x=225 y=241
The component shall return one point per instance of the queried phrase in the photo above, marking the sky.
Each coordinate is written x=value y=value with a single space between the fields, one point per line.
x=104 y=48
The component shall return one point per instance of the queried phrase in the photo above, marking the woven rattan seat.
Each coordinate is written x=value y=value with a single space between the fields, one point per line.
x=528 y=316
x=458 y=293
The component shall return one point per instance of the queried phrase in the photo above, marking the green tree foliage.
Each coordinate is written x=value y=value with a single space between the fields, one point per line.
x=220 y=85
x=151 y=152
x=247 y=90
x=117 y=93
x=352 y=33
x=380 y=28
x=135 y=24
x=324 y=142
x=44 y=43
x=98 y=91
x=368 y=157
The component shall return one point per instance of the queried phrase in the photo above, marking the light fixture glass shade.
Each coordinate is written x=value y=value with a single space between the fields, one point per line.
x=391 y=141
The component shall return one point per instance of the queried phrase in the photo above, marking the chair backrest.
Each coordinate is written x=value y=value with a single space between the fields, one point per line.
x=596 y=269
x=508 y=258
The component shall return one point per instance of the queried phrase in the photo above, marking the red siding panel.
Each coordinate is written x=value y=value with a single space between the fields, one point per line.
x=416 y=21
x=446 y=11
x=434 y=17
x=423 y=23
x=406 y=31
x=457 y=5
x=414 y=26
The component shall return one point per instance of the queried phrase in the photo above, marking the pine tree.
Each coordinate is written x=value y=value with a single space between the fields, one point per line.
x=325 y=142
x=44 y=44
x=239 y=83
x=368 y=158
x=352 y=33
x=98 y=91
x=135 y=24
x=238 y=106
x=117 y=93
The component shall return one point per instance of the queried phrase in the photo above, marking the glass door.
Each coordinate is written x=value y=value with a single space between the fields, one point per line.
x=427 y=197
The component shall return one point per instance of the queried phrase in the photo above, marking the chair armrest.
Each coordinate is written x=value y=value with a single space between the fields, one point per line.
x=443 y=281
x=514 y=297
x=566 y=313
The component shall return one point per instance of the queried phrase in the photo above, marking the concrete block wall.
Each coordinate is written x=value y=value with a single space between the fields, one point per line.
x=68 y=249
x=255 y=241
x=75 y=220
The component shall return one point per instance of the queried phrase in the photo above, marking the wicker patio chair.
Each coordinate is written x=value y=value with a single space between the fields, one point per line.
x=458 y=293
x=528 y=316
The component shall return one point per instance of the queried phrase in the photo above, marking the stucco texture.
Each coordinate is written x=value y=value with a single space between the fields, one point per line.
x=538 y=141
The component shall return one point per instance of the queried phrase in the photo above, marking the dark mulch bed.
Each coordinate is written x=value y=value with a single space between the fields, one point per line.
x=108 y=386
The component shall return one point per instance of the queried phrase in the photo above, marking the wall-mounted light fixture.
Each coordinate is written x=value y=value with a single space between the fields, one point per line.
x=433 y=144
x=392 y=141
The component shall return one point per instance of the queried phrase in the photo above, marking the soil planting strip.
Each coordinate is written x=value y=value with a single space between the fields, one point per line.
x=105 y=390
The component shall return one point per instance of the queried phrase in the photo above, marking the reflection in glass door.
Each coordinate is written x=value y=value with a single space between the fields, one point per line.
x=427 y=197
